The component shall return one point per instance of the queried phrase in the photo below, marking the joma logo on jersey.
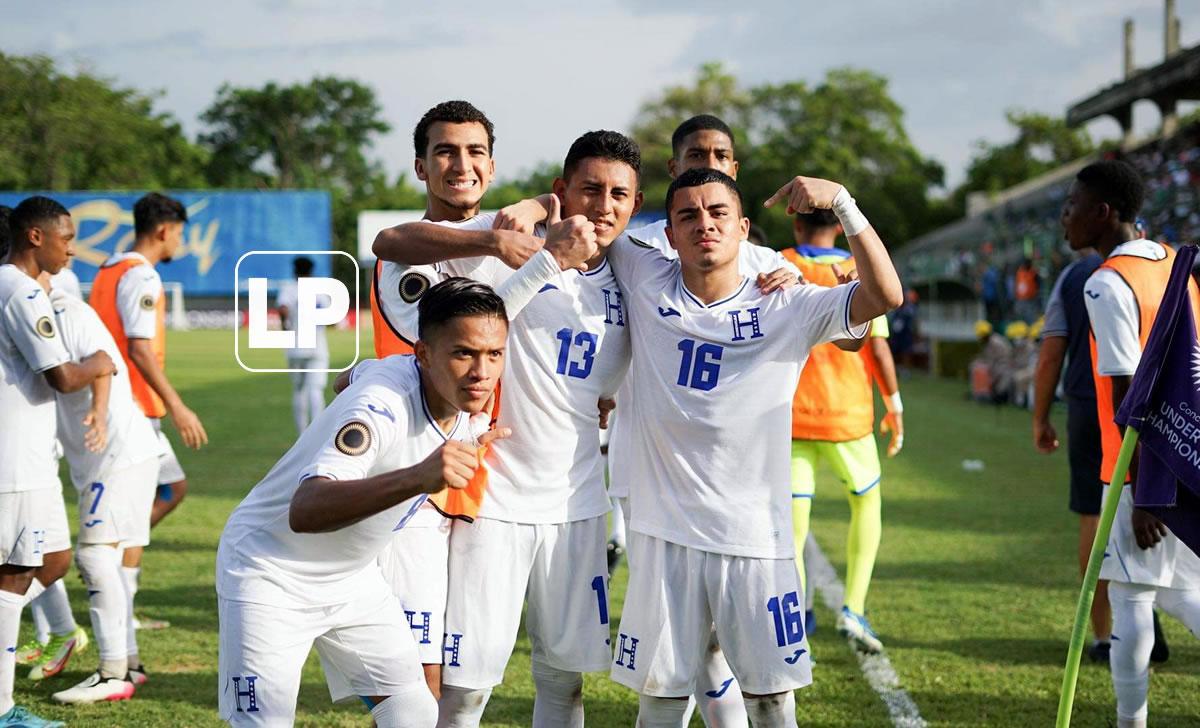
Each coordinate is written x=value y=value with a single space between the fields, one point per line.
x=320 y=302
x=251 y=705
x=743 y=321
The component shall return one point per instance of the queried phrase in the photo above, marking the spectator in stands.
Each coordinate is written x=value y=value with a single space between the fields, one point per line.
x=1025 y=291
x=903 y=339
x=991 y=291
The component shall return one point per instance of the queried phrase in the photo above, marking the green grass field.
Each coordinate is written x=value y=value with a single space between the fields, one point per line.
x=973 y=594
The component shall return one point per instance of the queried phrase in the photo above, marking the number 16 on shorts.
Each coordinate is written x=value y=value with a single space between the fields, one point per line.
x=788 y=616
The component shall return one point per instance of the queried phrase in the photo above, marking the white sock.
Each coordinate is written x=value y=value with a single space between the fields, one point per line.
x=300 y=408
x=10 y=627
x=558 y=700
x=56 y=607
x=618 y=523
x=129 y=575
x=100 y=566
x=661 y=712
x=316 y=394
x=718 y=695
x=41 y=625
x=461 y=707
x=33 y=592
x=414 y=708
x=773 y=711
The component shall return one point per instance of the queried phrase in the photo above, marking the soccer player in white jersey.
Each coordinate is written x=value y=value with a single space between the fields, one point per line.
x=539 y=537
x=34 y=537
x=453 y=144
x=296 y=564
x=715 y=364
x=700 y=142
x=308 y=386
x=115 y=476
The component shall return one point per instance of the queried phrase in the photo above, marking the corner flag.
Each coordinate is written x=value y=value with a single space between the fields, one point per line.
x=1163 y=405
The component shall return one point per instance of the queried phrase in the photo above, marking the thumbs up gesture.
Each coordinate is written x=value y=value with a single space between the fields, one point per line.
x=572 y=242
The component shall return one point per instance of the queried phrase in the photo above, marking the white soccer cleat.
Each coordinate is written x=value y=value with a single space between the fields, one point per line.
x=857 y=629
x=137 y=676
x=96 y=689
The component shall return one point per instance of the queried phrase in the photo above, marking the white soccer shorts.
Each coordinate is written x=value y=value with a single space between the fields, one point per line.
x=365 y=646
x=414 y=564
x=561 y=570
x=33 y=523
x=169 y=469
x=1168 y=564
x=677 y=594
x=117 y=509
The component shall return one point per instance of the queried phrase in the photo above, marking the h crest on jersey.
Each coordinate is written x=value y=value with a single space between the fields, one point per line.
x=744 y=320
x=614 y=309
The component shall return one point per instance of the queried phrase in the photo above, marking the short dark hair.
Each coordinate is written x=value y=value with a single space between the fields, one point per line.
x=30 y=213
x=5 y=231
x=701 y=122
x=302 y=265
x=701 y=176
x=154 y=209
x=1117 y=184
x=454 y=298
x=451 y=112
x=818 y=219
x=603 y=144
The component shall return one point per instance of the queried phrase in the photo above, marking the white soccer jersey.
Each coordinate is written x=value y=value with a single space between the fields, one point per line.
x=138 y=292
x=568 y=347
x=289 y=297
x=1113 y=312
x=29 y=345
x=380 y=423
x=710 y=405
x=66 y=281
x=131 y=438
x=753 y=259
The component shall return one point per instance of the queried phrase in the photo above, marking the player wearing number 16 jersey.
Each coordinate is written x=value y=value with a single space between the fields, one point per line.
x=296 y=562
x=715 y=363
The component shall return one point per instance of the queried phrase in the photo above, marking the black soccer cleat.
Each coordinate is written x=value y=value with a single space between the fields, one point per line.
x=615 y=552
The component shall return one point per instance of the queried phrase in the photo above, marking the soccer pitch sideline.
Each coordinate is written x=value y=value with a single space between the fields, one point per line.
x=973 y=593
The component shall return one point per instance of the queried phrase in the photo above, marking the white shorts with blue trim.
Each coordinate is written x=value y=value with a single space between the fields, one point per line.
x=33 y=523
x=1168 y=564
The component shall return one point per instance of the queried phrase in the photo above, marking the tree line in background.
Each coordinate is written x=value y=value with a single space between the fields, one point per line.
x=81 y=131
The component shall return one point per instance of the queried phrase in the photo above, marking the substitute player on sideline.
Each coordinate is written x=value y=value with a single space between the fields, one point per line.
x=833 y=420
x=540 y=535
x=713 y=373
x=308 y=386
x=34 y=536
x=115 y=478
x=296 y=561
x=1145 y=564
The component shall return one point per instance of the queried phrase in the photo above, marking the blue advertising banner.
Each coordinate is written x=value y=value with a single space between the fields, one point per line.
x=221 y=227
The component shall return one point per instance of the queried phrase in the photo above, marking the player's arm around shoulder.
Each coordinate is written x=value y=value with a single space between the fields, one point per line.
x=879 y=289
x=424 y=243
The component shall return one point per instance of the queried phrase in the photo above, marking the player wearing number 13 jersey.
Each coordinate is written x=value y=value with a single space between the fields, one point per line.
x=540 y=534
x=715 y=364
x=296 y=562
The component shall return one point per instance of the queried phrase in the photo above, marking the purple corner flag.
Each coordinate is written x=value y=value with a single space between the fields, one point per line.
x=1163 y=405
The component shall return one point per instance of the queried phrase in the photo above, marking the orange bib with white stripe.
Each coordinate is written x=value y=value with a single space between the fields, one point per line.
x=104 y=300
x=1148 y=281
x=834 y=401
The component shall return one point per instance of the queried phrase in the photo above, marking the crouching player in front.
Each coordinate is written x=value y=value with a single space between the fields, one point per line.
x=715 y=363
x=296 y=563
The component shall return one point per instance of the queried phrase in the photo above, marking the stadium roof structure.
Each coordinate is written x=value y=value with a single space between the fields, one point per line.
x=1175 y=79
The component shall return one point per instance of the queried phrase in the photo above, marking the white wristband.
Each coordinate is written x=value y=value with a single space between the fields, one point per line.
x=852 y=220
x=893 y=403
